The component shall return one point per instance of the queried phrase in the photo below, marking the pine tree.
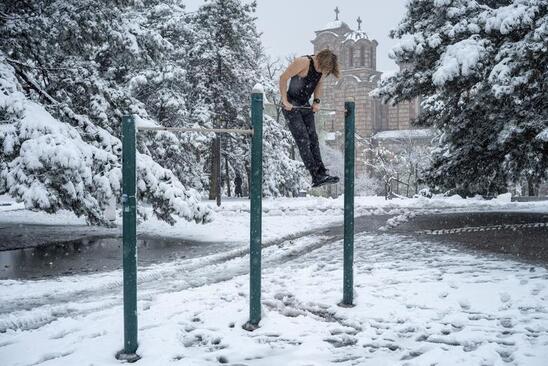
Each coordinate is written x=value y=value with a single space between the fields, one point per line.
x=481 y=68
x=67 y=66
x=161 y=84
x=71 y=69
x=223 y=66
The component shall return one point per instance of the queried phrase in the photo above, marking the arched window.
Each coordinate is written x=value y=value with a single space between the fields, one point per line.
x=362 y=55
x=350 y=57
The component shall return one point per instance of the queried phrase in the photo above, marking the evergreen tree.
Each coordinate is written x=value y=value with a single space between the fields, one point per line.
x=66 y=70
x=225 y=60
x=481 y=67
x=162 y=85
x=71 y=69
x=223 y=65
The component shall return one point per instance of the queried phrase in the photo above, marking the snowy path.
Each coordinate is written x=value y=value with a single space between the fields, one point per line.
x=417 y=304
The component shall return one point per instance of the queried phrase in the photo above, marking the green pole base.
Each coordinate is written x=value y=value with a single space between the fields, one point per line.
x=128 y=357
x=344 y=305
x=250 y=327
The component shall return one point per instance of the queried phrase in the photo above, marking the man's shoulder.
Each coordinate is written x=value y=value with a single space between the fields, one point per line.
x=301 y=60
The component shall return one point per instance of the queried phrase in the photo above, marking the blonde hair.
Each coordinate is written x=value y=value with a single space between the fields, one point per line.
x=328 y=63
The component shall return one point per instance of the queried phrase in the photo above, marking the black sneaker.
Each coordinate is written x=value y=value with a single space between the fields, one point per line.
x=332 y=179
x=324 y=179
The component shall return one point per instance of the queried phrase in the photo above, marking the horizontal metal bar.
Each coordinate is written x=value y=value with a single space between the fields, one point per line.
x=321 y=109
x=333 y=110
x=203 y=130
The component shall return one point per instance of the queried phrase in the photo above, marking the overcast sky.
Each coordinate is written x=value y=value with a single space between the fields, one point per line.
x=288 y=25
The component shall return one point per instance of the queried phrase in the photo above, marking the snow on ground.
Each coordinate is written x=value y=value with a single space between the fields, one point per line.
x=289 y=216
x=417 y=304
x=283 y=216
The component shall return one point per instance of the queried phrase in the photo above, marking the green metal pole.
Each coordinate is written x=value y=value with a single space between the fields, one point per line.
x=349 y=159
x=129 y=240
x=218 y=168
x=256 y=193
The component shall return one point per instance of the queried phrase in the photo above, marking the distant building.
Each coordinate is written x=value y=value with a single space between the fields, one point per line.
x=359 y=76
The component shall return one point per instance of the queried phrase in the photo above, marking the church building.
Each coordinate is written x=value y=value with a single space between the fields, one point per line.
x=359 y=76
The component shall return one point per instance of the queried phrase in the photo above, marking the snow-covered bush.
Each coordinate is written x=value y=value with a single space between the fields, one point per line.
x=425 y=192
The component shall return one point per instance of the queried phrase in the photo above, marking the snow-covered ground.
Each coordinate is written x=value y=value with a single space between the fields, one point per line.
x=281 y=217
x=417 y=303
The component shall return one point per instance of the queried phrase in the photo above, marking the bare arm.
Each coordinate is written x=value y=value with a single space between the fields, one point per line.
x=295 y=68
x=317 y=94
x=319 y=89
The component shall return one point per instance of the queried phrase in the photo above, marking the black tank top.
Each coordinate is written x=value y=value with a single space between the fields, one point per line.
x=301 y=89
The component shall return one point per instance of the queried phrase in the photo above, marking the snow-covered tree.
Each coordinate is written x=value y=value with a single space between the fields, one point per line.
x=66 y=70
x=71 y=69
x=223 y=58
x=381 y=162
x=481 y=68
x=270 y=76
x=160 y=82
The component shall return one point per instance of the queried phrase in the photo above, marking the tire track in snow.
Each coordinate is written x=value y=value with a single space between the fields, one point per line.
x=39 y=311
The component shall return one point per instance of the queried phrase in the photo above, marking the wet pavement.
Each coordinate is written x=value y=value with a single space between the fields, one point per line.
x=40 y=254
x=18 y=236
x=89 y=255
x=519 y=235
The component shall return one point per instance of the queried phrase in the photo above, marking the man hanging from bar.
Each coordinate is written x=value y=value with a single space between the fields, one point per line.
x=306 y=74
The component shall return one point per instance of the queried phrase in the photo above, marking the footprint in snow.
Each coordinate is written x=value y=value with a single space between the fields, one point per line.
x=505 y=297
x=506 y=322
x=464 y=304
x=538 y=287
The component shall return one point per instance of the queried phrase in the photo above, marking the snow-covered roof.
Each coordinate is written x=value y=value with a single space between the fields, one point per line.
x=404 y=134
x=355 y=36
x=329 y=32
x=334 y=25
x=355 y=77
x=373 y=77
